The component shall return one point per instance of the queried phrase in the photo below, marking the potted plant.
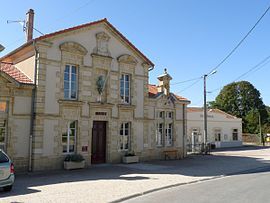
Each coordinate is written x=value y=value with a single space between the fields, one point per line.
x=74 y=161
x=130 y=157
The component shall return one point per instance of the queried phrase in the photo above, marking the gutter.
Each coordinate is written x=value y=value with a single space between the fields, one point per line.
x=33 y=111
x=151 y=68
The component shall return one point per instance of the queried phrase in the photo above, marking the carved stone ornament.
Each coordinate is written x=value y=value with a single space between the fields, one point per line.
x=127 y=59
x=73 y=47
x=102 y=44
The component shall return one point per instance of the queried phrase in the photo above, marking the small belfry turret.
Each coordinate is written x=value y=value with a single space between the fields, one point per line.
x=164 y=82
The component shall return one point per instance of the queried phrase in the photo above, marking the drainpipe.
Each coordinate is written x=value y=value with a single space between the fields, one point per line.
x=184 y=131
x=33 y=111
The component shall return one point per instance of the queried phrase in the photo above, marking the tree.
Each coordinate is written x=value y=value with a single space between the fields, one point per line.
x=242 y=100
x=266 y=126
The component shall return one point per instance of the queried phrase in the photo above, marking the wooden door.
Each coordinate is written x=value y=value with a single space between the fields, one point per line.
x=98 y=142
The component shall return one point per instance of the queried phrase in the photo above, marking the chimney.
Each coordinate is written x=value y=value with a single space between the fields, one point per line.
x=164 y=83
x=29 y=24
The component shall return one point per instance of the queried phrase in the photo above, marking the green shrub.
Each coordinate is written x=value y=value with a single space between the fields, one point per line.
x=74 y=157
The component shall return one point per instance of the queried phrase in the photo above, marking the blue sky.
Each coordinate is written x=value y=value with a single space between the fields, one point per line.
x=188 y=37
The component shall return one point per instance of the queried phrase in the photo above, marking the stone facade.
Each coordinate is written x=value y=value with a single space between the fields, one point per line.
x=102 y=57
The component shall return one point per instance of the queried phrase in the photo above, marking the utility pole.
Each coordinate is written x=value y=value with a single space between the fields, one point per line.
x=205 y=110
x=260 y=126
x=204 y=114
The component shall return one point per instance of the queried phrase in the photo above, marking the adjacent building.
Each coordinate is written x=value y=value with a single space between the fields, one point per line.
x=85 y=90
x=224 y=130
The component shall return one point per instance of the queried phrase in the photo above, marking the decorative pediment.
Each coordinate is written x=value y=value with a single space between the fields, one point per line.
x=127 y=59
x=102 y=47
x=164 y=101
x=73 y=47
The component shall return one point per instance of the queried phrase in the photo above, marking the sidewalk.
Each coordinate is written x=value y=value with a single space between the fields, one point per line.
x=107 y=183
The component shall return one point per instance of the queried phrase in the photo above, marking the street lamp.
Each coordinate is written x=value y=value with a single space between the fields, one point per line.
x=205 y=109
x=1 y=47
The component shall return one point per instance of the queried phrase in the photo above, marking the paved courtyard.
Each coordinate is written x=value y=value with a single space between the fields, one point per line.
x=107 y=183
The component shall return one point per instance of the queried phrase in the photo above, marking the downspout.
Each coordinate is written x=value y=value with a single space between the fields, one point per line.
x=33 y=111
x=184 y=131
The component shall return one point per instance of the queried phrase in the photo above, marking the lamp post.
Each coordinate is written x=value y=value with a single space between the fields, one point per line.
x=1 y=47
x=205 y=109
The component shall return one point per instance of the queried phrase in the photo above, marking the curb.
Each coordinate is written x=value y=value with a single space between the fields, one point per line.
x=186 y=183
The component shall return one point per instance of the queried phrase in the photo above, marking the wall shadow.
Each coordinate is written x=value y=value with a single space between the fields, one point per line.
x=194 y=165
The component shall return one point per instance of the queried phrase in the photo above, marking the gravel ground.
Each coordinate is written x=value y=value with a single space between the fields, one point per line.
x=107 y=183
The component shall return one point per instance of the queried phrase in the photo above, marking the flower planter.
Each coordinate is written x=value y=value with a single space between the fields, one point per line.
x=130 y=159
x=69 y=165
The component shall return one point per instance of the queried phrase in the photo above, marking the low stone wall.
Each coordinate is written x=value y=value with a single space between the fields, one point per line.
x=251 y=138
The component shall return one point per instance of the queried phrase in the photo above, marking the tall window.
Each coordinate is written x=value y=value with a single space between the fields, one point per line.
x=169 y=114
x=69 y=138
x=159 y=134
x=169 y=134
x=125 y=88
x=125 y=136
x=2 y=134
x=235 y=134
x=70 y=82
x=217 y=135
x=195 y=136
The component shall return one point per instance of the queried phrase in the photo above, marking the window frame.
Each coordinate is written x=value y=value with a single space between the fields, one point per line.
x=123 y=100
x=233 y=134
x=169 y=114
x=123 y=135
x=69 y=130
x=69 y=81
x=3 y=130
x=217 y=132
x=159 y=134
x=169 y=127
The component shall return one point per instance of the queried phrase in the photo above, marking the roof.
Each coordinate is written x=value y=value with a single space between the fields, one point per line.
x=80 y=27
x=152 y=90
x=153 y=93
x=200 y=109
x=10 y=70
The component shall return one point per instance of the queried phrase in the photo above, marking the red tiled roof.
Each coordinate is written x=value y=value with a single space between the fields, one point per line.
x=15 y=73
x=91 y=24
x=180 y=98
x=194 y=109
x=153 y=91
x=200 y=109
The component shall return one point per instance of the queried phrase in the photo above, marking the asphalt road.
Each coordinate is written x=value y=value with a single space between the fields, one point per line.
x=253 y=187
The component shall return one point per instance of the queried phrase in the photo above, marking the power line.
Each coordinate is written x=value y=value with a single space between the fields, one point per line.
x=231 y=52
x=241 y=41
x=261 y=64
x=194 y=83
x=176 y=83
x=258 y=66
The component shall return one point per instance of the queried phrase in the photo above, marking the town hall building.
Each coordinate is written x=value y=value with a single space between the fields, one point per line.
x=85 y=90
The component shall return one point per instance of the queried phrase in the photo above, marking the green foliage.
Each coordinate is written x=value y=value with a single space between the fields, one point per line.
x=130 y=153
x=242 y=100
x=74 y=157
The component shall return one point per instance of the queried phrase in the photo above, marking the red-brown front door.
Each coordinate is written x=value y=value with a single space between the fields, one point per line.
x=98 y=142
